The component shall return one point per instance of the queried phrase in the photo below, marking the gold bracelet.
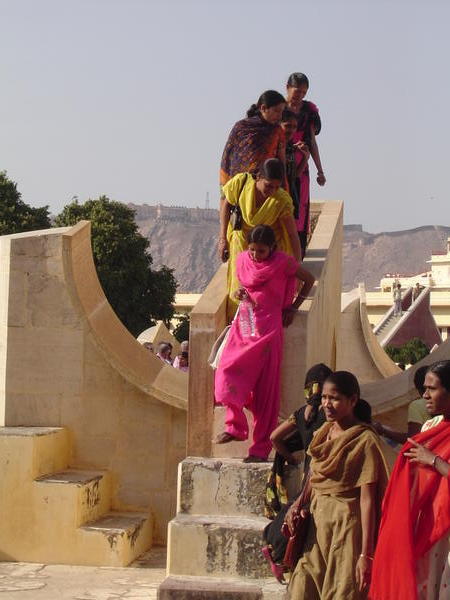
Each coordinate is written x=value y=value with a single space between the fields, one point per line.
x=366 y=556
x=433 y=464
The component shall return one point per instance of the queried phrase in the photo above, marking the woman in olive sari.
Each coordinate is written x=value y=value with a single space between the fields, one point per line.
x=260 y=201
x=348 y=478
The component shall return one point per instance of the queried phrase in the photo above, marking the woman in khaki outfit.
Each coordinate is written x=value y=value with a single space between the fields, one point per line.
x=348 y=478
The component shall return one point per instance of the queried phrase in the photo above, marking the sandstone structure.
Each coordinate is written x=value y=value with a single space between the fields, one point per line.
x=94 y=426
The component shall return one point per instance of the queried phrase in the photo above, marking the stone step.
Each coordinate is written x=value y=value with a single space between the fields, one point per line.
x=117 y=538
x=31 y=452
x=209 y=588
x=76 y=496
x=217 y=546
x=229 y=487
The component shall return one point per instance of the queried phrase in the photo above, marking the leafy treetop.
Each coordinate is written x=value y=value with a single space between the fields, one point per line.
x=138 y=294
x=15 y=215
x=409 y=353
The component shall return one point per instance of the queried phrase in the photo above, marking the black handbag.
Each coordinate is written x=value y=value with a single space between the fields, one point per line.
x=236 y=219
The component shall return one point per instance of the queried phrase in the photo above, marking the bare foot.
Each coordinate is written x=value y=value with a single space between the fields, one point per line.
x=224 y=438
x=254 y=459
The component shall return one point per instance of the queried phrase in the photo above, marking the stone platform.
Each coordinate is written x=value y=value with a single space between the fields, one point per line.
x=37 y=581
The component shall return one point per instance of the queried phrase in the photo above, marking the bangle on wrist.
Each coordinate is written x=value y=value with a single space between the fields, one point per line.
x=320 y=173
x=366 y=556
x=433 y=464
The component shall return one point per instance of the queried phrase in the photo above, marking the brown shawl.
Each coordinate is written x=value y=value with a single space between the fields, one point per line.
x=353 y=459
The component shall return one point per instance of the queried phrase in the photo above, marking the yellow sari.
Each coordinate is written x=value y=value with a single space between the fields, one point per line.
x=270 y=213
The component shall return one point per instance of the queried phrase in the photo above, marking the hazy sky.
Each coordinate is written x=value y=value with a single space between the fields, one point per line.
x=135 y=99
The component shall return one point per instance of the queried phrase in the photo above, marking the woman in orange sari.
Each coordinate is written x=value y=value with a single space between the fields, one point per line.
x=256 y=138
x=413 y=550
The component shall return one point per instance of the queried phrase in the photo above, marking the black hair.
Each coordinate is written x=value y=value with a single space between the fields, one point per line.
x=272 y=168
x=345 y=383
x=316 y=374
x=442 y=370
x=269 y=98
x=363 y=411
x=297 y=79
x=419 y=378
x=288 y=115
x=164 y=347
x=262 y=234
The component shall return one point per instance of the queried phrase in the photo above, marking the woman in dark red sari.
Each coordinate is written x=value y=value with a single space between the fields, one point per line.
x=308 y=127
x=412 y=554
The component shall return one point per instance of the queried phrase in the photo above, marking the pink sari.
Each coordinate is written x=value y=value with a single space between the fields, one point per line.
x=309 y=117
x=248 y=374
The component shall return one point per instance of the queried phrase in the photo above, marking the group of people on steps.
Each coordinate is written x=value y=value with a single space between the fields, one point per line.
x=371 y=531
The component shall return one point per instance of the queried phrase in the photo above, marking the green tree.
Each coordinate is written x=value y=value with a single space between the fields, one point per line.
x=15 y=215
x=181 y=331
x=409 y=353
x=138 y=294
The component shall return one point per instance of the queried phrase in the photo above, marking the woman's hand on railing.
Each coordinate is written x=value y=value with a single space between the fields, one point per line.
x=224 y=252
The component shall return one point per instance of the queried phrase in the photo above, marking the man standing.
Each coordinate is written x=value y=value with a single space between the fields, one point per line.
x=398 y=300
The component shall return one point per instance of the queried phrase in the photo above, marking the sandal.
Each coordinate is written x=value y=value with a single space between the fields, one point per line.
x=225 y=438
x=277 y=570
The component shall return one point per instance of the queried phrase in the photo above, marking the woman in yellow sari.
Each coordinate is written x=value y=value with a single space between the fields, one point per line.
x=260 y=201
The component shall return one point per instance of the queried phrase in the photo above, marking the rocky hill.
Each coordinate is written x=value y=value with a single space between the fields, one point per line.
x=185 y=240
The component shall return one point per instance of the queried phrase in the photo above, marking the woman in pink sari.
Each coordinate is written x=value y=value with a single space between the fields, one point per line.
x=248 y=374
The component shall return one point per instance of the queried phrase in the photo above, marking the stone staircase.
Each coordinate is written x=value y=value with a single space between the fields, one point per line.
x=215 y=540
x=385 y=329
x=61 y=515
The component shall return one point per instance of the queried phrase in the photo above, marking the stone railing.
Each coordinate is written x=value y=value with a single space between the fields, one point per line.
x=310 y=339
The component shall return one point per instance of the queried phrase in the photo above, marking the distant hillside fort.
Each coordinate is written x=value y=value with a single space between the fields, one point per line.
x=179 y=214
x=185 y=239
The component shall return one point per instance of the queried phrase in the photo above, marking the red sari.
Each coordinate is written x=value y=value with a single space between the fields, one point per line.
x=416 y=515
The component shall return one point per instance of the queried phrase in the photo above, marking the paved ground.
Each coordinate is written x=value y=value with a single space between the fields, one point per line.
x=31 y=581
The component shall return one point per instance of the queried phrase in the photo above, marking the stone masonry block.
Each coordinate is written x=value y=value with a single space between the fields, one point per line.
x=217 y=547
x=226 y=487
x=203 y=588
